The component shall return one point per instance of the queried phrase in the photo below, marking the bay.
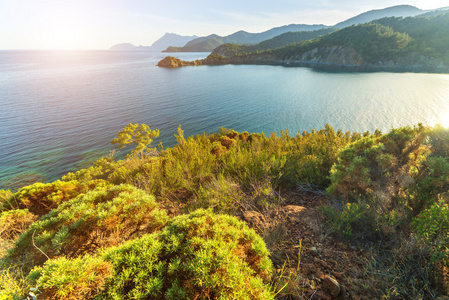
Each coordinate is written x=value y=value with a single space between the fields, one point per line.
x=59 y=110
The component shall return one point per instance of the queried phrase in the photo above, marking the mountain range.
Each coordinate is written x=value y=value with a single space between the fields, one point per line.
x=285 y=34
x=209 y=43
x=169 y=39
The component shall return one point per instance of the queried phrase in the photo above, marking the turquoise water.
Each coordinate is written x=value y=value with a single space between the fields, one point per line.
x=59 y=110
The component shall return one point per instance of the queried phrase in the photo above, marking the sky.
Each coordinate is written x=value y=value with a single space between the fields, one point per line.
x=99 y=24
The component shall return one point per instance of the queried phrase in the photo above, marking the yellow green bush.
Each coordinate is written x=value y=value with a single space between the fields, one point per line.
x=196 y=256
x=105 y=216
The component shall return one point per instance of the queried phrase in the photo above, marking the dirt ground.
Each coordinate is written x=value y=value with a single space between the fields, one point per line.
x=317 y=263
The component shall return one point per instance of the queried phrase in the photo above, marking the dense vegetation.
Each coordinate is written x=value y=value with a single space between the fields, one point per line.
x=136 y=228
x=276 y=42
x=379 y=41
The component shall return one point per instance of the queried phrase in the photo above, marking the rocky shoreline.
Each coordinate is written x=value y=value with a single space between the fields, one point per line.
x=326 y=59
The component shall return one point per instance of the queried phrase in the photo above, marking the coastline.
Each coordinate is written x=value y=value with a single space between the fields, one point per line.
x=217 y=59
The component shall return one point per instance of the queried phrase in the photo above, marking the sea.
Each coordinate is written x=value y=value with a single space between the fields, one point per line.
x=59 y=110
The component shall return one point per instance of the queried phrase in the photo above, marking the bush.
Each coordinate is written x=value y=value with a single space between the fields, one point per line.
x=78 y=278
x=197 y=256
x=40 y=198
x=103 y=217
x=379 y=168
x=221 y=194
x=14 y=222
x=12 y=284
x=433 y=226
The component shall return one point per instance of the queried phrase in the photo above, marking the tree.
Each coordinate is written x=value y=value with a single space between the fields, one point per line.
x=134 y=134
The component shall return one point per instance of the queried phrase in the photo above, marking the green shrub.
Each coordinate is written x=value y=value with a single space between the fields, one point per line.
x=14 y=222
x=40 y=198
x=196 y=256
x=103 y=217
x=78 y=278
x=12 y=284
x=353 y=216
x=379 y=167
x=188 y=165
x=433 y=226
x=221 y=194
x=312 y=154
x=100 y=170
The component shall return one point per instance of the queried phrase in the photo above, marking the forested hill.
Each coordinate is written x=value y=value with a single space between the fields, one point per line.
x=418 y=44
x=276 y=42
x=209 y=43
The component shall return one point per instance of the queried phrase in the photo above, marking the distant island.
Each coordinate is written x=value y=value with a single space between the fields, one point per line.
x=413 y=44
x=169 y=39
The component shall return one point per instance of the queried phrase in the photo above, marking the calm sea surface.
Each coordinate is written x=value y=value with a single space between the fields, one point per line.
x=59 y=110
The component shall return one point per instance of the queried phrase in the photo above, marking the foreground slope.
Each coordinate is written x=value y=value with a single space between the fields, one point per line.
x=325 y=208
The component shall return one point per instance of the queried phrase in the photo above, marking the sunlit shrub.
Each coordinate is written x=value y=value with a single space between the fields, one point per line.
x=221 y=195
x=14 y=222
x=378 y=167
x=12 y=284
x=78 y=278
x=433 y=225
x=40 y=198
x=188 y=165
x=103 y=217
x=100 y=170
x=197 y=256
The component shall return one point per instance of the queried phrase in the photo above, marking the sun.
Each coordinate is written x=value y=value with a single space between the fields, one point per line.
x=65 y=37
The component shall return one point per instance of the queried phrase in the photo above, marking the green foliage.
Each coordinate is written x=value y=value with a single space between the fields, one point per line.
x=15 y=222
x=135 y=134
x=78 y=278
x=102 y=217
x=4 y=196
x=221 y=195
x=196 y=256
x=380 y=41
x=353 y=216
x=188 y=165
x=100 y=170
x=12 y=284
x=433 y=226
x=379 y=168
x=40 y=198
x=281 y=40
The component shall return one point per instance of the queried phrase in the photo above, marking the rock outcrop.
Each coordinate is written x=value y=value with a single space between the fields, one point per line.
x=173 y=62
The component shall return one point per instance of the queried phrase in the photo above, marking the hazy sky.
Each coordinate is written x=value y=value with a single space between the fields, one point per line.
x=98 y=24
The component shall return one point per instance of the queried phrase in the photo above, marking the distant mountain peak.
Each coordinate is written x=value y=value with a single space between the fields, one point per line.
x=371 y=15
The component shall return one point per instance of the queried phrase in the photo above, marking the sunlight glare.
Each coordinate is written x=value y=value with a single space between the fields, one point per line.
x=444 y=119
x=65 y=37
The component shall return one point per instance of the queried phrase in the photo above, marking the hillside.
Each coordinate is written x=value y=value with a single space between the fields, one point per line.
x=209 y=43
x=238 y=215
x=416 y=44
x=394 y=11
x=276 y=42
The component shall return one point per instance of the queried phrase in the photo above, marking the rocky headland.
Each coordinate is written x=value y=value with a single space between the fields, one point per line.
x=323 y=58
